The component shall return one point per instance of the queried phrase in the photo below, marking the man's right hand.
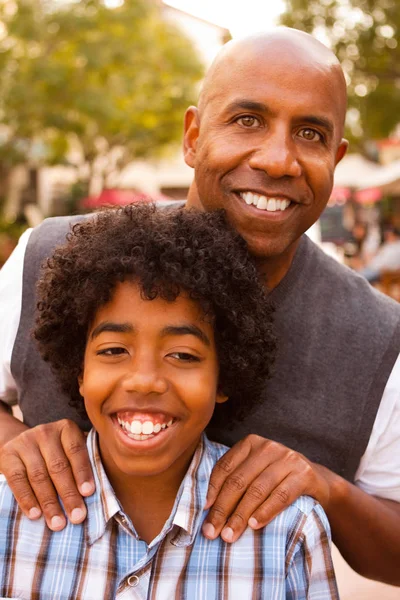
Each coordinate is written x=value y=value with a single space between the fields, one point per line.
x=45 y=462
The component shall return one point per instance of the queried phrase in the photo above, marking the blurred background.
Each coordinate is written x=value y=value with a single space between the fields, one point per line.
x=92 y=97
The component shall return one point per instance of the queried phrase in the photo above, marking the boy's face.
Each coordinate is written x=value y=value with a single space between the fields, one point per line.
x=149 y=381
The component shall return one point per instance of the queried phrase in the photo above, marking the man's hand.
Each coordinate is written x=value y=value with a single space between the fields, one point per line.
x=44 y=461
x=256 y=480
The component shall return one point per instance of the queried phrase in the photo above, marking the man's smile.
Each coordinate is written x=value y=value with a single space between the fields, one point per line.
x=268 y=203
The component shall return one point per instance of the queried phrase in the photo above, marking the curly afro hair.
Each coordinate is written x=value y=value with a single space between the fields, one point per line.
x=165 y=252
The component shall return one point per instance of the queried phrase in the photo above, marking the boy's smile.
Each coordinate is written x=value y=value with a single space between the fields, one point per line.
x=149 y=382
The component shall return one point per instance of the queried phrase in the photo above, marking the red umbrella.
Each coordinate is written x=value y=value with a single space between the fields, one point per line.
x=116 y=197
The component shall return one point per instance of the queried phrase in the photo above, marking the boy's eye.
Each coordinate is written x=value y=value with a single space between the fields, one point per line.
x=184 y=356
x=116 y=351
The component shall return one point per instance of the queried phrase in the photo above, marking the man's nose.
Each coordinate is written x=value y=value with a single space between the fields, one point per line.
x=277 y=156
x=145 y=377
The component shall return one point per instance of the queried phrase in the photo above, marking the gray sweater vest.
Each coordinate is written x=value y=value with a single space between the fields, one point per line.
x=338 y=342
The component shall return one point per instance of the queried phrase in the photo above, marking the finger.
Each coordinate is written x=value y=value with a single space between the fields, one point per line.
x=254 y=497
x=230 y=495
x=60 y=472
x=280 y=498
x=74 y=443
x=15 y=473
x=224 y=468
x=43 y=488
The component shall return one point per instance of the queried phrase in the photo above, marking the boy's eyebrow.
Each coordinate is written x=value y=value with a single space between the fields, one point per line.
x=110 y=326
x=186 y=330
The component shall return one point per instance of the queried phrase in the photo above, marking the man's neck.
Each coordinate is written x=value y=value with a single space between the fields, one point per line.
x=274 y=268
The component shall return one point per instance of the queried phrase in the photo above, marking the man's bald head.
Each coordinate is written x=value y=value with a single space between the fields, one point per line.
x=294 y=50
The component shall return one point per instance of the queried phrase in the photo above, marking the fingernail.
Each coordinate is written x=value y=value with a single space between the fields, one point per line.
x=86 y=488
x=34 y=513
x=209 y=531
x=57 y=522
x=227 y=534
x=77 y=515
x=253 y=523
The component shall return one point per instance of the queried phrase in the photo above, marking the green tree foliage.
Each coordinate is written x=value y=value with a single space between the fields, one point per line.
x=365 y=35
x=109 y=83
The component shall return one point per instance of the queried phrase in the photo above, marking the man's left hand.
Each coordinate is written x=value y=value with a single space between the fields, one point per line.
x=255 y=481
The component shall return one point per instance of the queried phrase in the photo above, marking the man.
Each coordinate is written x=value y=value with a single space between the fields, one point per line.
x=149 y=350
x=264 y=143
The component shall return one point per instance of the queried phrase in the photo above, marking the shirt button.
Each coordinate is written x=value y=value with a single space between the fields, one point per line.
x=133 y=580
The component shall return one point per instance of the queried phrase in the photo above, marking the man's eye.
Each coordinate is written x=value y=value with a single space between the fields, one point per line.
x=310 y=135
x=184 y=356
x=112 y=351
x=248 y=121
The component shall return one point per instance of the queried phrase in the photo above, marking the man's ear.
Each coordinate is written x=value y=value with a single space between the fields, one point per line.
x=341 y=151
x=191 y=134
x=221 y=398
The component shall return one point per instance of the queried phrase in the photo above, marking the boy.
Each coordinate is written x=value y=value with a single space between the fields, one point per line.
x=159 y=321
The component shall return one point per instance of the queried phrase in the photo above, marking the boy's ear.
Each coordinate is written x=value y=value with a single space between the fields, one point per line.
x=80 y=382
x=221 y=398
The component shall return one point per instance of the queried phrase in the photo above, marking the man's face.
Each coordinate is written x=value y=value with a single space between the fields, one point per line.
x=149 y=382
x=264 y=146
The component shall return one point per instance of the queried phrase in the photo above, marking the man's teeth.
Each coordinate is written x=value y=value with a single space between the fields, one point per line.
x=142 y=431
x=264 y=203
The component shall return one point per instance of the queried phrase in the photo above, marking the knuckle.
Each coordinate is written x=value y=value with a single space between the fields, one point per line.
x=282 y=495
x=293 y=456
x=58 y=466
x=237 y=519
x=217 y=512
x=224 y=465
x=38 y=475
x=69 y=495
x=258 y=492
x=16 y=478
x=49 y=504
x=236 y=482
x=75 y=447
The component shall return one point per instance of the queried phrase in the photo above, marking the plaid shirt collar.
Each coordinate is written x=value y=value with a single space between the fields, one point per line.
x=186 y=514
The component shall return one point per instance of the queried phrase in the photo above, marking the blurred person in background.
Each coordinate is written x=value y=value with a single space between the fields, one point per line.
x=263 y=142
x=387 y=257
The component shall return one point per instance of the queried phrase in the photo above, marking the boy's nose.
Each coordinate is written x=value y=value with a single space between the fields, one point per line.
x=145 y=378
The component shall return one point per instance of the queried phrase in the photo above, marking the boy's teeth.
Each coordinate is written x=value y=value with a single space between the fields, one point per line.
x=264 y=203
x=139 y=431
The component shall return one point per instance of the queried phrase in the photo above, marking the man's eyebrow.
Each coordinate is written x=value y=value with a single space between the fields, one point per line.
x=320 y=121
x=110 y=326
x=186 y=330
x=247 y=105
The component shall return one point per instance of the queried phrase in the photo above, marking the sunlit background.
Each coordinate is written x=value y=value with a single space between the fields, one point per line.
x=241 y=18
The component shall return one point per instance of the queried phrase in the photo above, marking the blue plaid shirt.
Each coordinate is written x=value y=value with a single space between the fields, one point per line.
x=104 y=558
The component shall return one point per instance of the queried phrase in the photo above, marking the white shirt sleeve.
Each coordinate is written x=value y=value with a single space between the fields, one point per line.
x=10 y=313
x=379 y=470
